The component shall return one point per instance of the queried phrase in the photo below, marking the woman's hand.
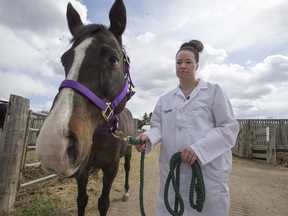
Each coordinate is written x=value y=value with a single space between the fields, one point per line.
x=144 y=138
x=188 y=156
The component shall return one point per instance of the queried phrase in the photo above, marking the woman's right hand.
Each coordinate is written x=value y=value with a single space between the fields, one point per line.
x=144 y=138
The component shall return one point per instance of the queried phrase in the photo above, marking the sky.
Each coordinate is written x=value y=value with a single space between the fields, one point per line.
x=245 y=49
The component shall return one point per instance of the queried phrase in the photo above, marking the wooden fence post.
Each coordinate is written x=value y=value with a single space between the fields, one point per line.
x=272 y=148
x=249 y=143
x=11 y=150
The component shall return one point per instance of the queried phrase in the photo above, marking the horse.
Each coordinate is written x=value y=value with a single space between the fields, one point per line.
x=80 y=135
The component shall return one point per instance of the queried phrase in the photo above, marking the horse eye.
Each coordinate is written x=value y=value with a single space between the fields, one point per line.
x=113 y=59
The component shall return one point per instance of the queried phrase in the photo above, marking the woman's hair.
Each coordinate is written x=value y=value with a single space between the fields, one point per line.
x=194 y=46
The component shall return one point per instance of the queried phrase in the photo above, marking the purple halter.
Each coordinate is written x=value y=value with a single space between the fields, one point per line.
x=106 y=107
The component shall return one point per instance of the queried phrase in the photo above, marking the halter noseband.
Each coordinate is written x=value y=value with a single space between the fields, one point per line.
x=106 y=107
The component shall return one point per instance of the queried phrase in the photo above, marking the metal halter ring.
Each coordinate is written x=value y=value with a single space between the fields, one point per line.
x=108 y=110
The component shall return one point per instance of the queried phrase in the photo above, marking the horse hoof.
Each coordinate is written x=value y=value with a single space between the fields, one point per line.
x=125 y=197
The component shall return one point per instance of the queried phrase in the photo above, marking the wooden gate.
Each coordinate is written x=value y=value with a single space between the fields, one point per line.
x=264 y=139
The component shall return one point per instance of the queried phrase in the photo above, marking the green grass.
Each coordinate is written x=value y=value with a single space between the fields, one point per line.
x=41 y=206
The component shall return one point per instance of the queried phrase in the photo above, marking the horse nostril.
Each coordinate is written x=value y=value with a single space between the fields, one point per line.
x=73 y=147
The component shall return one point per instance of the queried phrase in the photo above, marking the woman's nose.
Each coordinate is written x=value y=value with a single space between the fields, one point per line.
x=182 y=65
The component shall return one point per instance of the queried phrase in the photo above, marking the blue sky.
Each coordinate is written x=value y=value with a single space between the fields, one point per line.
x=246 y=49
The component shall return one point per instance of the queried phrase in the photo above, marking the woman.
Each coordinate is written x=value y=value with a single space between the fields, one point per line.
x=196 y=119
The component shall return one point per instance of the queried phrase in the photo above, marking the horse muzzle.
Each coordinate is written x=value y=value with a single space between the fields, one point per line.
x=60 y=154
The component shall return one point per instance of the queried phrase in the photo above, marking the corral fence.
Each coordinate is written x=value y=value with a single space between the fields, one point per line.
x=17 y=136
x=265 y=139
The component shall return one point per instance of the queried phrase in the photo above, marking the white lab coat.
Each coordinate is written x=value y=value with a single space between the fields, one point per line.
x=206 y=123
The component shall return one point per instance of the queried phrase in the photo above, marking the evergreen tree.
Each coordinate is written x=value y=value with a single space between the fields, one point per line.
x=145 y=120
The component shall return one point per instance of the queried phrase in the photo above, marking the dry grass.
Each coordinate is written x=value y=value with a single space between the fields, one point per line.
x=64 y=189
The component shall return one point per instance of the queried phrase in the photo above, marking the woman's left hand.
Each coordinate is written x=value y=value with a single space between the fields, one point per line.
x=188 y=156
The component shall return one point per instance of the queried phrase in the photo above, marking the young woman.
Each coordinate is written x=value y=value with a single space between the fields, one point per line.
x=196 y=119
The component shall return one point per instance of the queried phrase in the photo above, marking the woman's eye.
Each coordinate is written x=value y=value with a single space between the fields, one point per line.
x=113 y=59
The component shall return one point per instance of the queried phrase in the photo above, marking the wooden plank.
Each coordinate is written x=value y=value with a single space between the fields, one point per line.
x=260 y=147
x=11 y=150
x=261 y=131
x=259 y=155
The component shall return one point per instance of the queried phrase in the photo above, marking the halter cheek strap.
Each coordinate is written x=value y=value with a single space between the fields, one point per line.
x=107 y=108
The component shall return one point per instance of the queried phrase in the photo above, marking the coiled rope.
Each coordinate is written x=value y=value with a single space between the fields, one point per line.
x=197 y=186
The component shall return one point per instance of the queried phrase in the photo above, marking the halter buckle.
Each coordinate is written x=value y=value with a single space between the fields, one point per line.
x=107 y=112
x=126 y=59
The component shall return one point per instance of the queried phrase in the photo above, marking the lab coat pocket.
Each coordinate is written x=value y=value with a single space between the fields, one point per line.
x=192 y=116
x=212 y=181
x=217 y=199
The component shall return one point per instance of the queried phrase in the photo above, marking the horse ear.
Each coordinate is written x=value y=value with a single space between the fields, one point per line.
x=73 y=19
x=117 y=16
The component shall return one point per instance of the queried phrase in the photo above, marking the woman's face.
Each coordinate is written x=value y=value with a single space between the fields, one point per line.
x=186 y=65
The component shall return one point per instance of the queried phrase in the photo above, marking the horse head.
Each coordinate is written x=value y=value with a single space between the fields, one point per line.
x=93 y=92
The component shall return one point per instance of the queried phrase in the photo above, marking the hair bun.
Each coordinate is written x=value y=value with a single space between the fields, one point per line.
x=195 y=44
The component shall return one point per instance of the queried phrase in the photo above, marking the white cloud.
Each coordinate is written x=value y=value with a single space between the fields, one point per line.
x=34 y=36
x=21 y=84
x=146 y=38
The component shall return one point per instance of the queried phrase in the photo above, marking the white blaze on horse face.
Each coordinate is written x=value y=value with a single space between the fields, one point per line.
x=79 y=55
x=52 y=141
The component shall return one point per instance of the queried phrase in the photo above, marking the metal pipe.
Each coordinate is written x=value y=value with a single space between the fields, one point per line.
x=33 y=164
x=37 y=180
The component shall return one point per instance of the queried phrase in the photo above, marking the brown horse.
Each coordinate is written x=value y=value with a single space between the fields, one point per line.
x=78 y=136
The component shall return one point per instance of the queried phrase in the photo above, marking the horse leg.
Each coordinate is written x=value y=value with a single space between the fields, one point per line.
x=109 y=175
x=82 y=198
x=127 y=158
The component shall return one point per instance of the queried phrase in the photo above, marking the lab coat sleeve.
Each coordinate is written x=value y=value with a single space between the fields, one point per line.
x=154 y=133
x=223 y=136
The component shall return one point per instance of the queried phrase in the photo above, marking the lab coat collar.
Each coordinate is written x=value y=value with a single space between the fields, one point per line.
x=201 y=85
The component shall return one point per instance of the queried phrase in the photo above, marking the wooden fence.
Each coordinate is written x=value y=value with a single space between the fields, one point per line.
x=12 y=150
x=265 y=139
x=17 y=136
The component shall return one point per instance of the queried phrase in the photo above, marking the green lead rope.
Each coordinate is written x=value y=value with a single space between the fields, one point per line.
x=196 y=186
x=132 y=141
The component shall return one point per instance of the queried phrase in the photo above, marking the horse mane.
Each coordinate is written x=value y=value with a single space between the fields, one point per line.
x=87 y=31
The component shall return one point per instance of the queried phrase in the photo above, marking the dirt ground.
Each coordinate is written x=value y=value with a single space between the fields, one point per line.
x=257 y=189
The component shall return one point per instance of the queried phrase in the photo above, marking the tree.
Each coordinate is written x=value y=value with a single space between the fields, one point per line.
x=145 y=120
